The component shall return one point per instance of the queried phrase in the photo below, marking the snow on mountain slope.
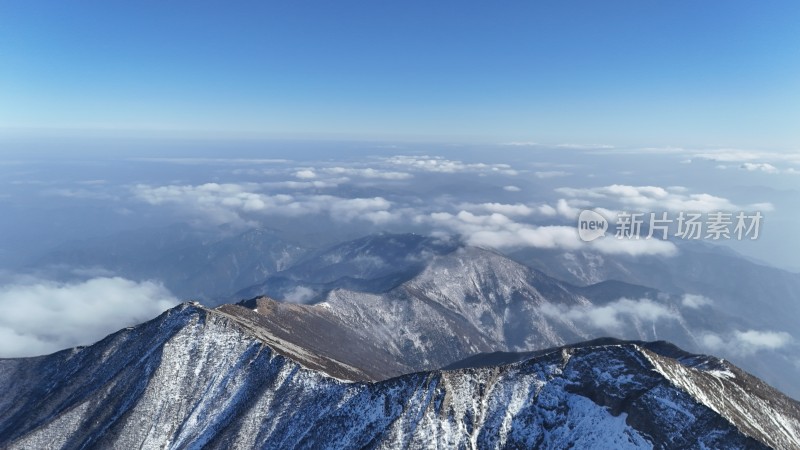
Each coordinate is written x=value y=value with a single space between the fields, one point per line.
x=742 y=295
x=468 y=301
x=195 y=378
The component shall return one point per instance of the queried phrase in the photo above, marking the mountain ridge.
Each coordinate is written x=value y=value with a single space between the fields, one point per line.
x=464 y=302
x=198 y=377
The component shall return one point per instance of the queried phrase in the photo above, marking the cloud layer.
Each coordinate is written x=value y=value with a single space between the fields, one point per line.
x=498 y=231
x=612 y=316
x=39 y=317
x=746 y=342
x=650 y=198
x=237 y=203
x=439 y=164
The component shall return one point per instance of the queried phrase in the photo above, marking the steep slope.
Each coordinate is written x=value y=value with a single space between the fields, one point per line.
x=199 y=378
x=225 y=266
x=768 y=296
x=744 y=295
x=374 y=263
x=468 y=301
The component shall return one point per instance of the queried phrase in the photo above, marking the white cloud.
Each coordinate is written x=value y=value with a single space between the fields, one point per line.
x=738 y=156
x=39 y=316
x=585 y=146
x=299 y=294
x=651 y=198
x=563 y=208
x=753 y=160
x=572 y=208
x=763 y=339
x=712 y=341
x=746 y=342
x=498 y=231
x=521 y=209
x=517 y=209
x=438 y=164
x=511 y=188
x=305 y=174
x=368 y=173
x=759 y=167
x=695 y=301
x=374 y=209
x=240 y=203
x=309 y=184
x=766 y=206
x=547 y=210
x=611 y=317
x=522 y=144
x=219 y=203
x=767 y=168
x=728 y=155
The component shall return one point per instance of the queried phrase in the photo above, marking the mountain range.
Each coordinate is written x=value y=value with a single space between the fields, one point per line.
x=765 y=295
x=411 y=341
x=468 y=301
x=192 y=263
x=420 y=302
x=197 y=377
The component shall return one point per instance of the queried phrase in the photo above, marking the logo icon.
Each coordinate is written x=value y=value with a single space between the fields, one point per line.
x=591 y=225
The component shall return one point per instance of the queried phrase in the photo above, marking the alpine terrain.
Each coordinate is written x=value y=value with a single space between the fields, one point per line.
x=197 y=377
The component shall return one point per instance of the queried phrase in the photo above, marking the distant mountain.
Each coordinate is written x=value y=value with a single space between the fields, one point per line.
x=196 y=378
x=374 y=263
x=192 y=263
x=766 y=295
x=468 y=301
x=420 y=302
x=745 y=295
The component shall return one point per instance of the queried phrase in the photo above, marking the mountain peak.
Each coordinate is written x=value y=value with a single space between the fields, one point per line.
x=196 y=377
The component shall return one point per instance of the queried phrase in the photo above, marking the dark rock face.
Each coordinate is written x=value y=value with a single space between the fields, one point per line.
x=203 y=378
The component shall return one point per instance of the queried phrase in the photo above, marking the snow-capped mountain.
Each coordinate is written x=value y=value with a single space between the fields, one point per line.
x=765 y=295
x=465 y=302
x=742 y=296
x=417 y=303
x=195 y=377
x=374 y=263
x=472 y=300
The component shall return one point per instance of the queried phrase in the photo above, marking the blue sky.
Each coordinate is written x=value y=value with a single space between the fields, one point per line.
x=702 y=73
